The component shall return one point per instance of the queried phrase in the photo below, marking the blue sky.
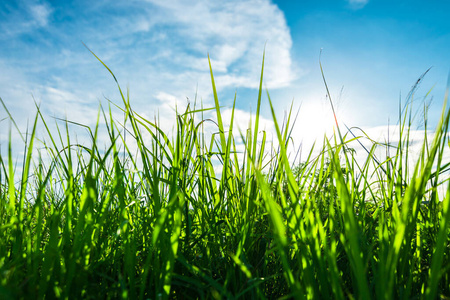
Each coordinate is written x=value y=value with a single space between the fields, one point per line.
x=372 y=53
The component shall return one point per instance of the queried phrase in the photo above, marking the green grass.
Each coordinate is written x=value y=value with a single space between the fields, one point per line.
x=106 y=222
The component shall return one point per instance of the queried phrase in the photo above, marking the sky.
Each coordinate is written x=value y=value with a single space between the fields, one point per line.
x=371 y=51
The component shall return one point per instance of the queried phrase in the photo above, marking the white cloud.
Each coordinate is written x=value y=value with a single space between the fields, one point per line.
x=28 y=16
x=40 y=13
x=242 y=120
x=160 y=53
x=357 y=4
x=163 y=49
x=234 y=33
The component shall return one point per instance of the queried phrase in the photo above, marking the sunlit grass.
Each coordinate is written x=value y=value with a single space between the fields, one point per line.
x=109 y=222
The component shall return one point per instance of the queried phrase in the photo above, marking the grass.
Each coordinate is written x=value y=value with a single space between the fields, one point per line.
x=162 y=223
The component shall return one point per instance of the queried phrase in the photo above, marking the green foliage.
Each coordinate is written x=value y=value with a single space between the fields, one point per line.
x=153 y=219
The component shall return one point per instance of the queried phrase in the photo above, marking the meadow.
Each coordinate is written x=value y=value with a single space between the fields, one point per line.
x=109 y=222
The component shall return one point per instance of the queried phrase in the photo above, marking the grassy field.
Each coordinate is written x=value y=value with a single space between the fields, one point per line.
x=106 y=222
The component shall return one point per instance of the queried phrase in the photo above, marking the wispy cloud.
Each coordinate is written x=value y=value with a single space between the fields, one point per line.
x=24 y=17
x=234 y=33
x=40 y=13
x=357 y=4
x=160 y=53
